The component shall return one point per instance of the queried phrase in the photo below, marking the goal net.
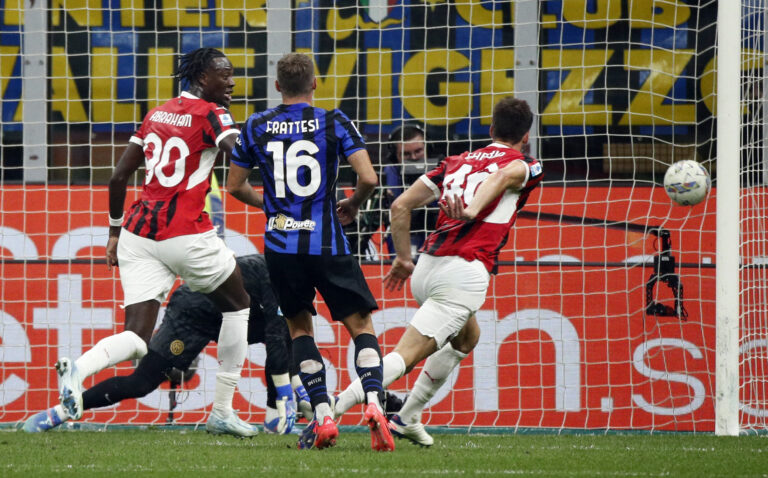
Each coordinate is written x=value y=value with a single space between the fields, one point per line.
x=603 y=313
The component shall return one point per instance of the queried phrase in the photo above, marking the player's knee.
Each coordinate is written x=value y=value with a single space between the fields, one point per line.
x=140 y=384
x=139 y=345
x=367 y=358
x=310 y=366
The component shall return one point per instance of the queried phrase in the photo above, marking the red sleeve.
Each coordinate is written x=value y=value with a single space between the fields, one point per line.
x=219 y=123
x=437 y=174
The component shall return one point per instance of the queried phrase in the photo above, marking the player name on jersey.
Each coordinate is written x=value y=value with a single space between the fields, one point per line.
x=173 y=119
x=291 y=127
x=479 y=156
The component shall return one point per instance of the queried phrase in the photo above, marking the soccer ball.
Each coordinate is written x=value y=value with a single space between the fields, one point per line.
x=687 y=182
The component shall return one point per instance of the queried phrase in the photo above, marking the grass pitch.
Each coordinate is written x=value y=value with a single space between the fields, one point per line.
x=186 y=452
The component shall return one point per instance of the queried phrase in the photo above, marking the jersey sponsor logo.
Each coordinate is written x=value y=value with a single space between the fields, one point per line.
x=282 y=222
x=478 y=156
x=173 y=119
x=226 y=119
x=291 y=127
x=177 y=347
x=535 y=170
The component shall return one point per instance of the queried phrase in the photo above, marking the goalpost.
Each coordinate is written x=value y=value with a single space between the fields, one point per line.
x=613 y=308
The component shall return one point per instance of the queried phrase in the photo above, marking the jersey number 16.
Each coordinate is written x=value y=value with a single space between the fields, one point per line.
x=287 y=164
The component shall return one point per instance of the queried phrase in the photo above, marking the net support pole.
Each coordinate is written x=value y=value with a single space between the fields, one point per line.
x=278 y=44
x=728 y=237
x=527 y=62
x=34 y=68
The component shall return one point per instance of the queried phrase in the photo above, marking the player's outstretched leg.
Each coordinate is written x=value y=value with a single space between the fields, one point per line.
x=45 y=420
x=70 y=388
x=381 y=438
x=230 y=425
x=414 y=431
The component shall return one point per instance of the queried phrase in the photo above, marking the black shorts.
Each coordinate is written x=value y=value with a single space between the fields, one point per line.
x=178 y=342
x=339 y=280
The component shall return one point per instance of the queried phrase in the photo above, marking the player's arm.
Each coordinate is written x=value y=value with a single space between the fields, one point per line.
x=367 y=180
x=239 y=187
x=129 y=162
x=512 y=176
x=419 y=194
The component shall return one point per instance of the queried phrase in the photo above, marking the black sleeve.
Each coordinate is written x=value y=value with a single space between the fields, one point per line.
x=278 y=357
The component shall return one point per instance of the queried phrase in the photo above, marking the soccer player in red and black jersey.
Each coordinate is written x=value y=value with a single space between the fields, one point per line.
x=450 y=280
x=166 y=234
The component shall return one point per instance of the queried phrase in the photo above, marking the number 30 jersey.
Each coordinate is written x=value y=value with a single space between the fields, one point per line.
x=180 y=140
x=483 y=237
x=297 y=149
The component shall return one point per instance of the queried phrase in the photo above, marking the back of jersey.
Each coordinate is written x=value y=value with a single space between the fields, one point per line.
x=461 y=176
x=297 y=149
x=179 y=139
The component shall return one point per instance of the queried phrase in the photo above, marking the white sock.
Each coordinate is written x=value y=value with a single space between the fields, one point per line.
x=321 y=411
x=394 y=368
x=110 y=351
x=436 y=371
x=231 y=351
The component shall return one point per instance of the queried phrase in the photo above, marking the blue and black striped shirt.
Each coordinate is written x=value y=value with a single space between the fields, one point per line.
x=297 y=149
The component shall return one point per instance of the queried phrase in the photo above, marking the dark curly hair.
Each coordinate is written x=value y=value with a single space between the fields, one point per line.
x=193 y=64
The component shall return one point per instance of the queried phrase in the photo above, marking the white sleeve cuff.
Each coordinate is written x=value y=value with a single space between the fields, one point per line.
x=527 y=172
x=225 y=134
x=136 y=140
x=436 y=190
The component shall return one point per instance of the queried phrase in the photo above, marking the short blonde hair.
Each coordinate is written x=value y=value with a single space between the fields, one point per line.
x=295 y=74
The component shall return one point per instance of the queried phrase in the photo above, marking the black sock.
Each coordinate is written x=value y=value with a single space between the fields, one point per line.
x=304 y=348
x=370 y=377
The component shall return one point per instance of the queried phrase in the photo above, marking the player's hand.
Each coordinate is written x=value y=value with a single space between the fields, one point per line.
x=346 y=211
x=303 y=405
x=453 y=207
x=399 y=273
x=286 y=409
x=286 y=412
x=112 y=252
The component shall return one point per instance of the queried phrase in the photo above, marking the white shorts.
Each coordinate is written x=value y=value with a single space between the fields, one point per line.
x=449 y=290
x=149 y=268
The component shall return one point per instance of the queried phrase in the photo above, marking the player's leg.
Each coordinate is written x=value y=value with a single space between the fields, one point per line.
x=291 y=276
x=322 y=431
x=411 y=349
x=232 y=342
x=148 y=375
x=208 y=266
x=437 y=369
x=454 y=289
x=281 y=406
x=146 y=282
x=349 y=299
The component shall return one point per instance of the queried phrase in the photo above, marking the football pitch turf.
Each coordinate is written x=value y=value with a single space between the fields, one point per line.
x=188 y=452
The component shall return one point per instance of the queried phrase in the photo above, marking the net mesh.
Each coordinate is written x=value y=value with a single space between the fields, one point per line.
x=571 y=335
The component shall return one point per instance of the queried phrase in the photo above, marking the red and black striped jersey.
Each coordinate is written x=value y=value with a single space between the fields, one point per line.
x=483 y=237
x=180 y=141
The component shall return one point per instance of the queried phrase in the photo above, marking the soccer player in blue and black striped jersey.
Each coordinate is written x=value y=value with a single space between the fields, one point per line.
x=297 y=148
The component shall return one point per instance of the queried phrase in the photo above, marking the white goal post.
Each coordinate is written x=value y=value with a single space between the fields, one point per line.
x=613 y=308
